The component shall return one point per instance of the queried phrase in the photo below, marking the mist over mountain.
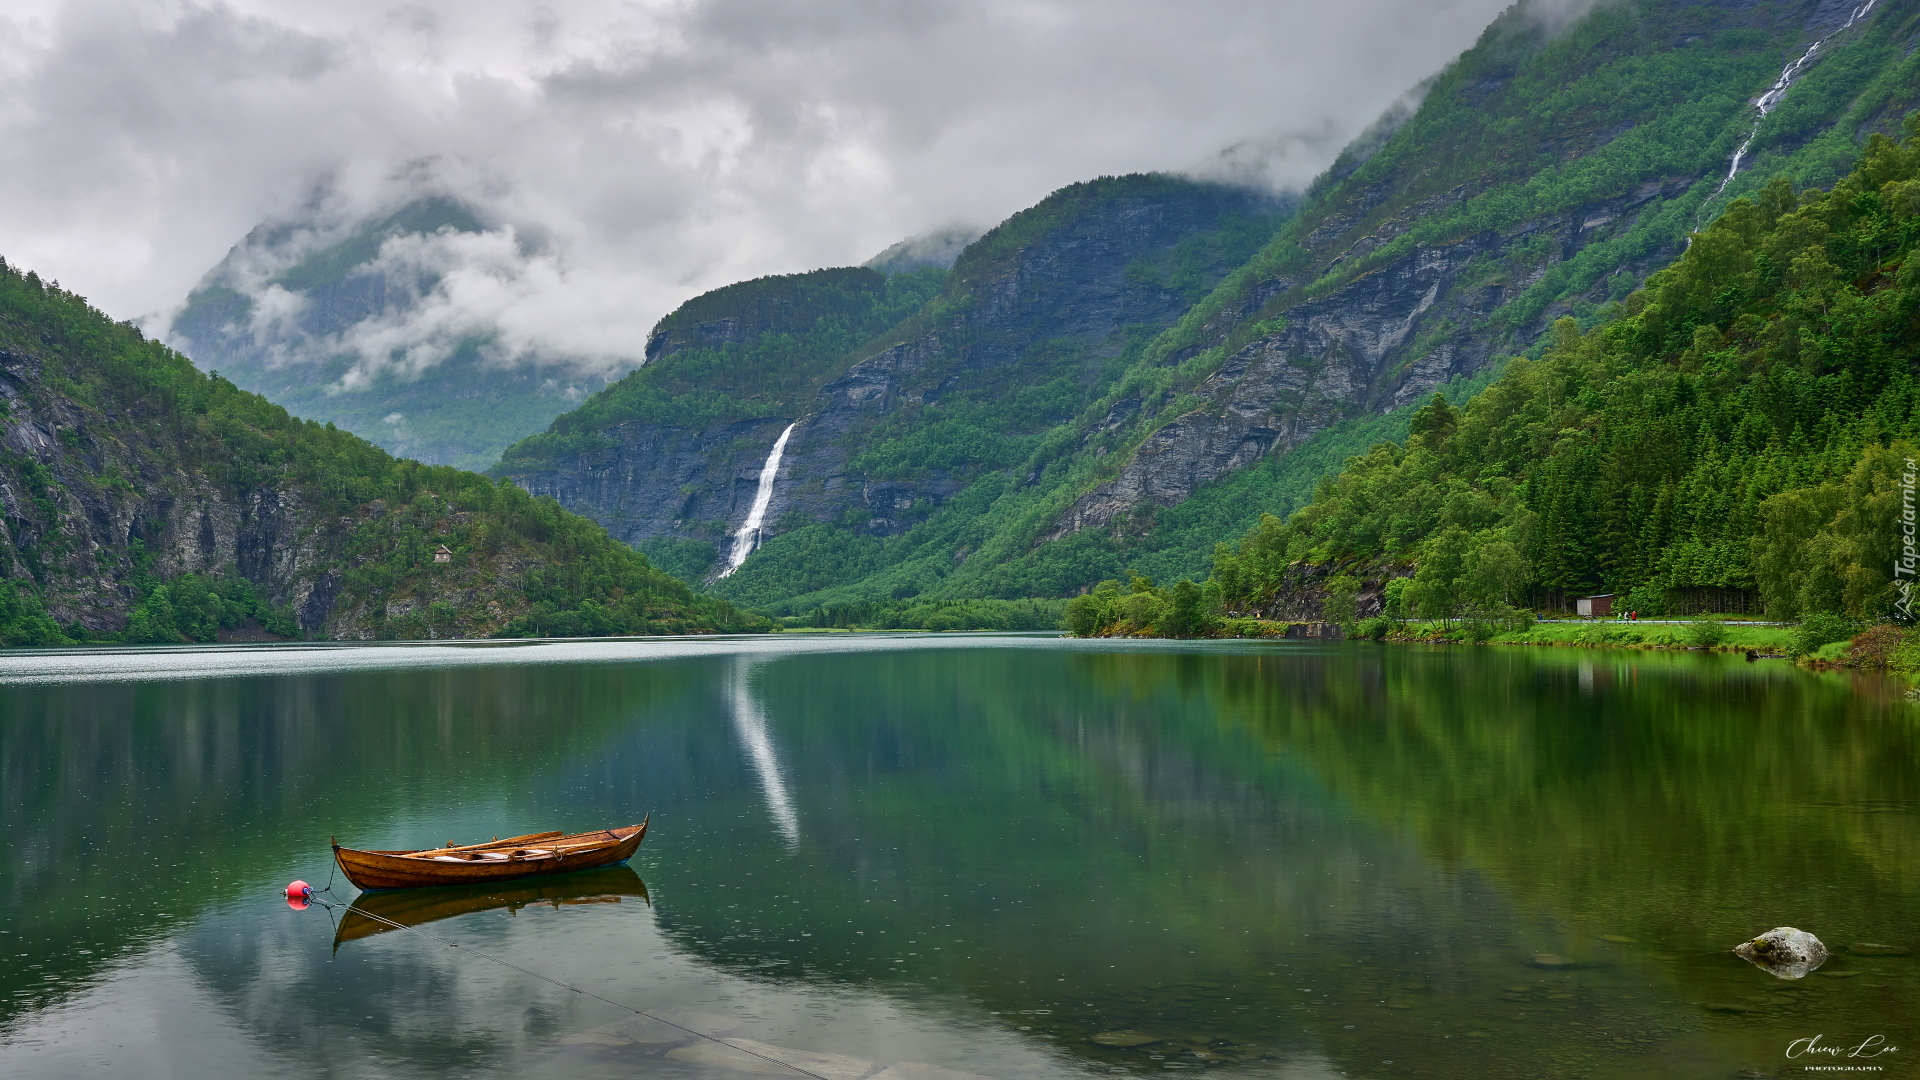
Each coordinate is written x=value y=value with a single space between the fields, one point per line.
x=402 y=329
x=939 y=249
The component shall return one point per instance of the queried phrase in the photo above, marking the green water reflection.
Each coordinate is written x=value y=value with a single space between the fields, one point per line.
x=1267 y=860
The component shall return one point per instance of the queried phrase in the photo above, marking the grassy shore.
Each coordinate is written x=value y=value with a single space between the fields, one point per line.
x=1599 y=634
x=1764 y=639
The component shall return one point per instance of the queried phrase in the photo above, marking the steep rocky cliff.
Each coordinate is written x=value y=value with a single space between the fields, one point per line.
x=134 y=489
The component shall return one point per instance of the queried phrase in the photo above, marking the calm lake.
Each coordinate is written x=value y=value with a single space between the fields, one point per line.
x=1000 y=856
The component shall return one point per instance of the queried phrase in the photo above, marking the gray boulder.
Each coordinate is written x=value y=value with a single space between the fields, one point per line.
x=1785 y=952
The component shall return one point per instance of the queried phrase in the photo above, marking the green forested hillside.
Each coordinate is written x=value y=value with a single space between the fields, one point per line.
x=1742 y=423
x=147 y=501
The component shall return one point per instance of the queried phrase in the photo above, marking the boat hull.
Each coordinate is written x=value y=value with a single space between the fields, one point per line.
x=556 y=855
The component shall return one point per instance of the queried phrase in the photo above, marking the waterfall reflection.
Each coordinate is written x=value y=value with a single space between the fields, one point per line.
x=750 y=721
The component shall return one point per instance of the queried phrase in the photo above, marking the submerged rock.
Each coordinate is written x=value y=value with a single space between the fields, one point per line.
x=1784 y=951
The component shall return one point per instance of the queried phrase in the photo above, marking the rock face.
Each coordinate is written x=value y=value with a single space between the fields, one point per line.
x=1382 y=341
x=80 y=536
x=1784 y=951
x=662 y=481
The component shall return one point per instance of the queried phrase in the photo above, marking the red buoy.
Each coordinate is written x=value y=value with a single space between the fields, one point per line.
x=298 y=893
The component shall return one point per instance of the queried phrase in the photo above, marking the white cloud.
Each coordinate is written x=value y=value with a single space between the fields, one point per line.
x=629 y=155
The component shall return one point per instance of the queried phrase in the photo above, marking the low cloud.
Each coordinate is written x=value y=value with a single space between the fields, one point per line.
x=624 y=157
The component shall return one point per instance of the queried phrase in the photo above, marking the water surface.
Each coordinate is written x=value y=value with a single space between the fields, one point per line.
x=1004 y=856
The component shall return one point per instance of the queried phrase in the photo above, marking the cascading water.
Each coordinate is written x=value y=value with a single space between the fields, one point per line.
x=748 y=537
x=1778 y=90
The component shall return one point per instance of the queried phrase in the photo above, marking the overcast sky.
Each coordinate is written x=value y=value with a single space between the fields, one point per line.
x=650 y=149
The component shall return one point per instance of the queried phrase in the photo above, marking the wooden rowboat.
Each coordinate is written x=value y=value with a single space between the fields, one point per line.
x=515 y=857
x=375 y=912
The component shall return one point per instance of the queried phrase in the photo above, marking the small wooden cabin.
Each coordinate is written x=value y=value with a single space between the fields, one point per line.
x=445 y=554
x=1594 y=607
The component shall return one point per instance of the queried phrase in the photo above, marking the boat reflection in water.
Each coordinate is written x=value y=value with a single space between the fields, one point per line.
x=416 y=907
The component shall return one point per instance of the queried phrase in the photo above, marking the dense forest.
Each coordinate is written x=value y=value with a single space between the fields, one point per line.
x=147 y=501
x=1741 y=427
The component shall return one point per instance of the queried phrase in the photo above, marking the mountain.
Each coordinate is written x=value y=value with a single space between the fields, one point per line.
x=358 y=325
x=1543 y=176
x=942 y=382
x=1084 y=397
x=146 y=501
x=1739 y=434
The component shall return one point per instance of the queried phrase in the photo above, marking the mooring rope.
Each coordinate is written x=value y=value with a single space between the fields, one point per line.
x=563 y=985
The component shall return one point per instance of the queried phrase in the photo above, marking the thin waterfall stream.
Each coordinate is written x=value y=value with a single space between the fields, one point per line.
x=1788 y=76
x=748 y=537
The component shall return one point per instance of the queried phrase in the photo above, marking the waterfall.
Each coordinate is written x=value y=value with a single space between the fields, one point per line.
x=1778 y=90
x=748 y=537
x=750 y=723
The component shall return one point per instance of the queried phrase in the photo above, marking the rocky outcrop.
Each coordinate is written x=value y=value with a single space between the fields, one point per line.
x=1301 y=594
